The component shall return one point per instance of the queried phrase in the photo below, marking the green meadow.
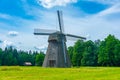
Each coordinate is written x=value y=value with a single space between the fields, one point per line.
x=38 y=73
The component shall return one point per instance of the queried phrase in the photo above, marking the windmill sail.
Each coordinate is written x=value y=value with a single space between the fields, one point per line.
x=60 y=20
x=74 y=37
x=43 y=31
x=61 y=25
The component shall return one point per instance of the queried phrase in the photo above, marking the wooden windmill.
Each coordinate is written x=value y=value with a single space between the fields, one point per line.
x=56 y=55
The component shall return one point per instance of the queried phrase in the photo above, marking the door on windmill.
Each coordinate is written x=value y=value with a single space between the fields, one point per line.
x=52 y=63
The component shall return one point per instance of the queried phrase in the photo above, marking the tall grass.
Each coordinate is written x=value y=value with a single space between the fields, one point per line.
x=38 y=73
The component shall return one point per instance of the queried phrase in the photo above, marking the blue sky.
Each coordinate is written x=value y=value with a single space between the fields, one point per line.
x=94 y=19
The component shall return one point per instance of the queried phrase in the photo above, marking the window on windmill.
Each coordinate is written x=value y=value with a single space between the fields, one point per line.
x=27 y=64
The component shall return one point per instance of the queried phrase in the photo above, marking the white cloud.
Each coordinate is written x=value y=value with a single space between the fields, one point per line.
x=7 y=43
x=4 y=16
x=114 y=9
x=52 y=3
x=41 y=48
x=13 y=33
x=88 y=36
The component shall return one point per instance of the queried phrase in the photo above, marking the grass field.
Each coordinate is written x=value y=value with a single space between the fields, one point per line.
x=38 y=73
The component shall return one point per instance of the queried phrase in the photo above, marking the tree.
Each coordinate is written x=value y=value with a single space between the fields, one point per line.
x=107 y=50
x=24 y=57
x=1 y=56
x=89 y=55
x=39 y=59
x=78 y=52
x=35 y=53
x=117 y=54
x=8 y=57
x=70 y=52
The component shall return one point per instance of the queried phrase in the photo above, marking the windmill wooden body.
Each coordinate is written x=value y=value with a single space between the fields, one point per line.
x=56 y=55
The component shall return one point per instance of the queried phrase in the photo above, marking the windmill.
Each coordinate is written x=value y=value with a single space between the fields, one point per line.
x=56 y=55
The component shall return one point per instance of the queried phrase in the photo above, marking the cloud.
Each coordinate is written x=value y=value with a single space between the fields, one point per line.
x=111 y=10
x=7 y=43
x=41 y=48
x=52 y=3
x=13 y=33
x=88 y=36
x=4 y=16
x=44 y=47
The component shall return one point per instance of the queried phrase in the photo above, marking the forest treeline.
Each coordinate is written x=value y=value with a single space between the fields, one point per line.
x=83 y=53
x=13 y=57
x=97 y=53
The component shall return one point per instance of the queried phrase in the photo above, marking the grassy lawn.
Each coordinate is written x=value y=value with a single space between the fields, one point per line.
x=38 y=73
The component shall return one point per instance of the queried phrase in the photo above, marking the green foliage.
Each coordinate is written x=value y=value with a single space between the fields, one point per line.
x=70 y=52
x=109 y=51
x=39 y=59
x=77 y=53
x=89 y=56
x=10 y=57
x=97 y=53
x=0 y=56
x=117 y=54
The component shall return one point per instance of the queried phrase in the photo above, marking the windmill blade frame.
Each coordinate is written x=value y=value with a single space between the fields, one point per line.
x=75 y=36
x=43 y=31
x=61 y=25
x=60 y=20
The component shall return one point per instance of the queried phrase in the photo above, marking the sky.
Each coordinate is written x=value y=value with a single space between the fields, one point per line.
x=93 y=19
